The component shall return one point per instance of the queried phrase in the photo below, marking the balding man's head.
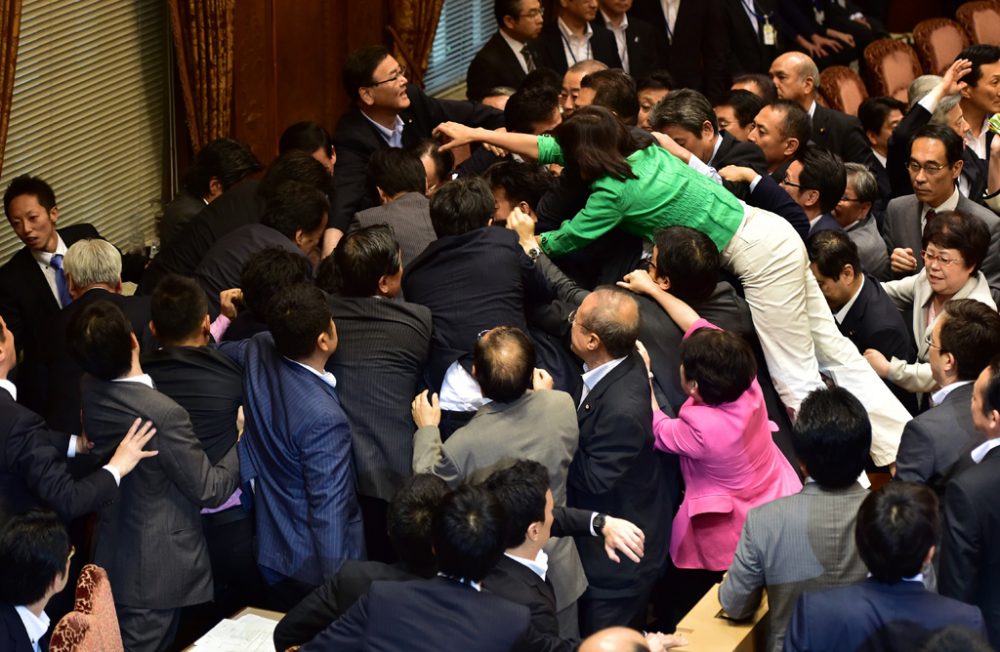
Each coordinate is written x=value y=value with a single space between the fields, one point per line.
x=615 y=639
x=503 y=361
x=796 y=78
x=571 y=83
x=606 y=325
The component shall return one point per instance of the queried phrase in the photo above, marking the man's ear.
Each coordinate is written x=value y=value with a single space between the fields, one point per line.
x=214 y=188
x=847 y=273
x=383 y=198
x=383 y=284
x=135 y=341
x=956 y=171
x=152 y=329
x=707 y=130
x=811 y=197
x=791 y=146
x=366 y=97
x=509 y=22
x=54 y=213
x=872 y=137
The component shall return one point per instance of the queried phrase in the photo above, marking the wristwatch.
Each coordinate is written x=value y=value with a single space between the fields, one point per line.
x=534 y=253
x=599 y=523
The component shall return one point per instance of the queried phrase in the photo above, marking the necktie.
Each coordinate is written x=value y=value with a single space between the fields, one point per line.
x=929 y=217
x=529 y=58
x=61 y=284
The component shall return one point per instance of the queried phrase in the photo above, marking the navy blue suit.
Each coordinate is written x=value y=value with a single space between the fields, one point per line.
x=13 y=635
x=297 y=449
x=826 y=222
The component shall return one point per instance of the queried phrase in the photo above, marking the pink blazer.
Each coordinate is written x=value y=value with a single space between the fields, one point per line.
x=730 y=465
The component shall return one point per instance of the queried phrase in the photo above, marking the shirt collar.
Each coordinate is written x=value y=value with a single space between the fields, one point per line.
x=949 y=204
x=514 y=44
x=812 y=110
x=45 y=257
x=10 y=387
x=842 y=313
x=461 y=580
x=611 y=26
x=539 y=565
x=937 y=398
x=588 y=31
x=36 y=626
x=593 y=376
x=980 y=451
x=326 y=376
x=142 y=379
x=715 y=150
x=388 y=134
x=878 y=157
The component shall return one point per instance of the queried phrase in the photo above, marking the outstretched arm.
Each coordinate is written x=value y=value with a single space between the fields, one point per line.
x=681 y=313
x=457 y=135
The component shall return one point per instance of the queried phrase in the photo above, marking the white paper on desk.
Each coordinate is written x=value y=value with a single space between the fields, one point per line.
x=250 y=633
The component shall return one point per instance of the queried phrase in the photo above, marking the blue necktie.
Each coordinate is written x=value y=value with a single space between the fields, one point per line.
x=57 y=264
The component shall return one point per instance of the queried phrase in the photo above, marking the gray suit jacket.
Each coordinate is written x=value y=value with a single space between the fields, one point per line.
x=902 y=229
x=410 y=219
x=871 y=248
x=539 y=426
x=150 y=540
x=794 y=544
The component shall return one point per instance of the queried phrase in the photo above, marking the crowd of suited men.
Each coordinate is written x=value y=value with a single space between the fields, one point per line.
x=356 y=388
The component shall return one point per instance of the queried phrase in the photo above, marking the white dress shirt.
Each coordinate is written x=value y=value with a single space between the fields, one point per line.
x=460 y=392
x=36 y=626
x=980 y=451
x=576 y=47
x=44 y=260
x=325 y=376
x=518 y=48
x=670 y=9
x=621 y=38
x=702 y=167
x=539 y=565
x=394 y=136
x=593 y=376
x=937 y=398
x=978 y=143
x=949 y=204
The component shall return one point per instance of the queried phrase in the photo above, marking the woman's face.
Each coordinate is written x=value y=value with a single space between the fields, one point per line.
x=947 y=271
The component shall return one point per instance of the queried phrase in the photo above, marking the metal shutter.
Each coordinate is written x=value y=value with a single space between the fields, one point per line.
x=464 y=27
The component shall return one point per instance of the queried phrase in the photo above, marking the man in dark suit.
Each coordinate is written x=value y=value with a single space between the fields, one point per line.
x=33 y=288
x=509 y=55
x=379 y=362
x=409 y=527
x=856 y=216
x=970 y=555
x=897 y=529
x=751 y=49
x=387 y=113
x=568 y=38
x=698 y=42
x=401 y=183
x=816 y=180
x=449 y=612
x=780 y=129
x=879 y=117
x=979 y=96
x=266 y=275
x=797 y=79
x=965 y=338
x=641 y=49
x=156 y=520
x=297 y=448
x=863 y=311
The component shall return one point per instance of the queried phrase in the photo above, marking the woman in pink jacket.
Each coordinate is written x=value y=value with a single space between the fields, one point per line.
x=722 y=435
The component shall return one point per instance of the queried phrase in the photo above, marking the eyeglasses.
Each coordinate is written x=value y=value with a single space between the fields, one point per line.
x=786 y=182
x=399 y=73
x=944 y=261
x=851 y=200
x=928 y=340
x=929 y=168
x=534 y=13
x=648 y=265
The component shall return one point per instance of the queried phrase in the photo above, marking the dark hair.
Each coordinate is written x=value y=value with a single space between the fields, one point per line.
x=824 y=172
x=721 y=362
x=596 y=144
x=268 y=273
x=298 y=166
x=971 y=333
x=956 y=638
x=690 y=260
x=297 y=318
x=521 y=181
x=444 y=162
x=363 y=257
x=410 y=516
x=227 y=160
x=177 y=308
x=503 y=8
x=360 y=66
x=469 y=532
x=765 y=83
x=832 y=437
x=100 y=339
x=953 y=143
x=504 y=359
x=521 y=491
x=397 y=170
x=795 y=123
x=684 y=108
x=614 y=319
x=542 y=78
x=979 y=54
x=897 y=525
x=830 y=251
x=29 y=185
x=965 y=233
x=528 y=107
x=991 y=393
x=305 y=137
x=461 y=206
x=295 y=207
x=34 y=549
x=873 y=112
x=615 y=90
x=746 y=105
x=657 y=80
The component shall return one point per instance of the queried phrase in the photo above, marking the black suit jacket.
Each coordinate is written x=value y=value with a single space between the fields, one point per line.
x=29 y=308
x=356 y=139
x=521 y=585
x=552 y=53
x=379 y=364
x=647 y=49
x=329 y=601
x=13 y=635
x=616 y=471
x=494 y=65
x=772 y=197
x=826 y=222
x=33 y=468
x=747 y=52
x=843 y=135
x=735 y=152
x=970 y=551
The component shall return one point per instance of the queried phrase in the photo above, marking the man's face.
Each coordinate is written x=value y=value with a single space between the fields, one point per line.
x=387 y=90
x=849 y=210
x=583 y=10
x=308 y=241
x=648 y=98
x=33 y=224
x=554 y=120
x=570 y=92
x=580 y=336
x=527 y=25
x=615 y=7
x=956 y=120
x=880 y=141
x=985 y=424
x=8 y=347
x=766 y=132
x=986 y=93
x=934 y=181
x=837 y=291
x=785 y=75
x=726 y=115
x=503 y=206
x=934 y=355
x=328 y=160
x=804 y=198
x=700 y=144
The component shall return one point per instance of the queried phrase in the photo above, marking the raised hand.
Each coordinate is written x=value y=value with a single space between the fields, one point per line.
x=426 y=412
x=129 y=451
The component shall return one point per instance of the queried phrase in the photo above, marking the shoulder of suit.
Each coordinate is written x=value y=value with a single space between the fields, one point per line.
x=966 y=205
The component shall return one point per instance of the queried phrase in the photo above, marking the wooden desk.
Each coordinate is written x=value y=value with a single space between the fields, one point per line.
x=707 y=632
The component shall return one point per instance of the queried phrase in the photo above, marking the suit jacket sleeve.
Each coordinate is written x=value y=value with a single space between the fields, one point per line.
x=571 y=522
x=308 y=618
x=350 y=187
x=347 y=634
x=899 y=150
x=743 y=585
x=797 y=637
x=329 y=484
x=470 y=114
x=915 y=458
x=961 y=546
x=606 y=455
x=430 y=456
x=768 y=196
x=186 y=464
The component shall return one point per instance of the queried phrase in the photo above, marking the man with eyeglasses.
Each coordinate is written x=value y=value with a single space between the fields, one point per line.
x=570 y=38
x=388 y=112
x=816 y=181
x=854 y=214
x=934 y=166
x=510 y=54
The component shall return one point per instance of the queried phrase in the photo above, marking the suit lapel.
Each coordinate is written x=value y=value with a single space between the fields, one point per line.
x=602 y=386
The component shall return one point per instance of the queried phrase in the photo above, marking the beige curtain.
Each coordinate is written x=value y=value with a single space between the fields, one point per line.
x=203 y=40
x=412 y=26
x=10 y=31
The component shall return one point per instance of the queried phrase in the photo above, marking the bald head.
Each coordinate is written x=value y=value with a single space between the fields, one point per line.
x=615 y=639
x=571 y=83
x=796 y=78
x=503 y=361
x=612 y=315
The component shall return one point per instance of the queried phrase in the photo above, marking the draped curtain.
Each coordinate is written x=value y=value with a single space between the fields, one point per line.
x=10 y=31
x=203 y=40
x=412 y=27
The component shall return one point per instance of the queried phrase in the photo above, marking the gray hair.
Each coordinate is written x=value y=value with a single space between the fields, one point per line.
x=921 y=86
x=93 y=262
x=865 y=183
x=587 y=66
x=686 y=108
x=946 y=104
x=615 y=320
x=808 y=68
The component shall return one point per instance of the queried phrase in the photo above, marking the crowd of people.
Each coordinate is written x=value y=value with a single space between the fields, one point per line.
x=537 y=370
